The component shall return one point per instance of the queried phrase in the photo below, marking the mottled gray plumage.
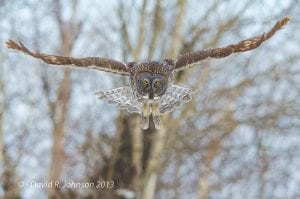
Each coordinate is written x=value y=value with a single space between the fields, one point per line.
x=151 y=90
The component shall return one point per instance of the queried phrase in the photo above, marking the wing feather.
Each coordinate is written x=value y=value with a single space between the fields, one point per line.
x=175 y=97
x=103 y=64
x=122 y=96
x=192 y=58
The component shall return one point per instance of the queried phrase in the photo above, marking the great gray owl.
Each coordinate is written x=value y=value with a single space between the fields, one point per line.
x=151 y=89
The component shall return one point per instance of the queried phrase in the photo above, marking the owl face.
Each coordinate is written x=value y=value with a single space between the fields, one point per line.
x=151 y=85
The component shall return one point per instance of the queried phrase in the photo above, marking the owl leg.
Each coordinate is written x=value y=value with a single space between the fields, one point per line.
x=145 y=116
x=156 y=116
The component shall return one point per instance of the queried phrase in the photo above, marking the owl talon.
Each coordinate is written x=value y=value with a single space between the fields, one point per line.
x=156 y=116
x=145 y=110
x=145 y=122
x=157 y=121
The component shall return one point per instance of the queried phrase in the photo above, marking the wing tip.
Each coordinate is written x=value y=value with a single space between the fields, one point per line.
x=99 y=94
x=19 y=46
x=286 y=20
x=11 y=44
x=194 y=90
x=283 y=22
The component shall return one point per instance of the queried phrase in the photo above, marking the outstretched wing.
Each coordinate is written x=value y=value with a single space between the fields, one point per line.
x=103 y=64
x=175 y=97
x=192 y=58
x=122 y=96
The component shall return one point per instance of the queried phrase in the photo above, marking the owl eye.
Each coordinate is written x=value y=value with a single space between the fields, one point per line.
x=146 y=83
x=156 y=84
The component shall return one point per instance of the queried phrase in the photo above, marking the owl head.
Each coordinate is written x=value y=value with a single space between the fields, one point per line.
x=150 y=79
x=151 y=85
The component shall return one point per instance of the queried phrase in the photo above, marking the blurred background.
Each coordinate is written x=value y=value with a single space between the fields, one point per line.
x=238 y=138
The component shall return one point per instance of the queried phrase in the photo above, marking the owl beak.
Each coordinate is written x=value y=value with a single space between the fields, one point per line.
x=151 y=94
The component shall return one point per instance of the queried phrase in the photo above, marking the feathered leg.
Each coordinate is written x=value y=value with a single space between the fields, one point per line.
x=145 y=116
x=156 y=116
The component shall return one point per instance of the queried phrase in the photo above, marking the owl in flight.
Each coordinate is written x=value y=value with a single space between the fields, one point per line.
x=151 y=90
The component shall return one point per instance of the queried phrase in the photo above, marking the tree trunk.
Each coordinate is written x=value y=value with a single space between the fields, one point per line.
x=68 y=36
x=61 y=111
x=7 y=167
x=153 y=165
